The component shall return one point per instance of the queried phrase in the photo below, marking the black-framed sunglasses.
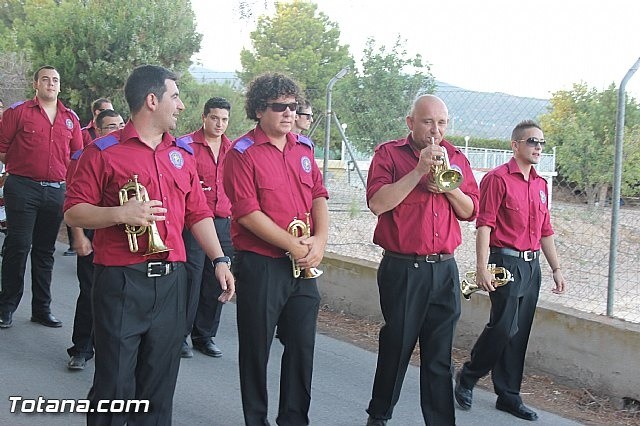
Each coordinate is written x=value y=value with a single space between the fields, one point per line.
x=306 y=114
x=533 y=142
x=280 y=107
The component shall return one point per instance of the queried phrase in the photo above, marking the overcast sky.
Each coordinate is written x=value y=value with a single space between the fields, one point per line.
x=520 y=47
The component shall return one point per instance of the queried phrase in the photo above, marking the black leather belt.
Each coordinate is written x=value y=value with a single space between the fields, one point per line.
x=56 y=185
x=154 y=269
x=527 y=255
x=430 y=258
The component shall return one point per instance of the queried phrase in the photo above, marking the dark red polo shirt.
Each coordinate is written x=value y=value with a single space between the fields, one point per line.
x=424 y=222
x=211 y=171
x=169 y=174
x=35 y=148
x=282 y=185
x=516 y=210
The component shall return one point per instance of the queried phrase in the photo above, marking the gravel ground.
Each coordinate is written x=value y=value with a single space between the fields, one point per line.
x=579 y=404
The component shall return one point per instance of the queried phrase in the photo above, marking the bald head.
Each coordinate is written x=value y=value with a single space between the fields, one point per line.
x=428 y=101
x=427 y=119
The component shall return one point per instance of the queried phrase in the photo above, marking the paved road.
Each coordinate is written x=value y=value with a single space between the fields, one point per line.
x=33 y=363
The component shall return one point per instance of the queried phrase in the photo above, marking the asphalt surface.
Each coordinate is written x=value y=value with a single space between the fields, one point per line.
x=33 y=364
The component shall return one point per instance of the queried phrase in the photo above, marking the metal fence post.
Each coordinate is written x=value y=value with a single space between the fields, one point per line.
x=327 y=137
x=617 y=179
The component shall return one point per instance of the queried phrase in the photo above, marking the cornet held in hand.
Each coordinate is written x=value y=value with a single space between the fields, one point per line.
x=445 y=178
x=298 y=228
x=155 y=245
x=500 y=276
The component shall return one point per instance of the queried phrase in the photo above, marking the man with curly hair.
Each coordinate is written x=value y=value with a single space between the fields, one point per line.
x=272 y=179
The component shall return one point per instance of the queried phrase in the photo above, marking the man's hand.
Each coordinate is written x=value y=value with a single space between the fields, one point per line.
x=226 y=280
x=82 y=245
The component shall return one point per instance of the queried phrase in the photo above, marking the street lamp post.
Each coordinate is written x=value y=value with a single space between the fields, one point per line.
x=466 y=146
x=325 y=165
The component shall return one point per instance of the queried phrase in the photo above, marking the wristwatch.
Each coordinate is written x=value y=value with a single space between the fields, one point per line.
x=222 y=259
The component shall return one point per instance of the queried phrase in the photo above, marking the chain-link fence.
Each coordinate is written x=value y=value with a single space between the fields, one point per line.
x=582 y=231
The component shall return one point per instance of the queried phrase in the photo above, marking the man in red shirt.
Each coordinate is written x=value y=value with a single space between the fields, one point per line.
x=304 y=117
x=513 y=225
x=418 y=277
x=138 y=299
x=272 y=179
x=82 y=337
x=37 y=138
x=90 y=131
x=210 y=146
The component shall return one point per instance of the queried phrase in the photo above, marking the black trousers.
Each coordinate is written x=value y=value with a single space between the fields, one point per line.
x=34 y=215
x=138 y=326
x=502 y=345
x=203 y=289
x=82 y=336
x=420 y=301
x=266 y=294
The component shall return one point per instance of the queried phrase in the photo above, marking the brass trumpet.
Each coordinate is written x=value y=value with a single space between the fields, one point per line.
x=501 y=276
x=298 y=228
x=155 y=245
x=445 y=178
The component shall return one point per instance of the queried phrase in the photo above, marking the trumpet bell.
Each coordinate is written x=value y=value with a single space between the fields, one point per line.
x=311 y=273
x=155 y=244
x=448 y=180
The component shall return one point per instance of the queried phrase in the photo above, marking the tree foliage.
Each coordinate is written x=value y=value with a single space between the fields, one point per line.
x=376 y=100
x=581 y=124
x=95 y=44
x=300 y=42
x=194 y=95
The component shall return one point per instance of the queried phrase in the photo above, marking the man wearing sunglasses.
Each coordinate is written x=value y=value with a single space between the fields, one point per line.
x=513 y=225
x=271 y=178
x=304 y=117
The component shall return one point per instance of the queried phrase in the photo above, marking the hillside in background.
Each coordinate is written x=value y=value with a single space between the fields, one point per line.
x=475 y=114
x=487 y=114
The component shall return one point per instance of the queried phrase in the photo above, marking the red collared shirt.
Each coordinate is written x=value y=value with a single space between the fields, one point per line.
x=168 y=173
x=210 y=171
x=282 y=185
x=424 y=222
x=35 y=148
x=516 y=210
x=87 y=138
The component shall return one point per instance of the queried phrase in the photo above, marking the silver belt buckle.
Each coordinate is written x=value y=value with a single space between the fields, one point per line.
x=152 y=274
x=432 y=258
x=528 y=255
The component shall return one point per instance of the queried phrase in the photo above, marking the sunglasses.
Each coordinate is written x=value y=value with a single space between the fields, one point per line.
x=533 y=142
x=279 y=107
x=306 y=114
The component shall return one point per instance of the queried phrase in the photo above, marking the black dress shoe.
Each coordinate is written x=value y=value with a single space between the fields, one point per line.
x=77 y=362
x=208 y=348
x=463 y=395
x=185 y=350
x=48 y=320
x=376 y=422
x=6 y=319
x=519 y=410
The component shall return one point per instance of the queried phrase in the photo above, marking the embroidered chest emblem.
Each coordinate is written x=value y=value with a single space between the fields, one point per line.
x=176 y=159
x=543 y=197
x=306 y=164
x=69 y=123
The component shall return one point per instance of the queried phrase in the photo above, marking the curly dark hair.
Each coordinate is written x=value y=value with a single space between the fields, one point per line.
x=266 y=87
